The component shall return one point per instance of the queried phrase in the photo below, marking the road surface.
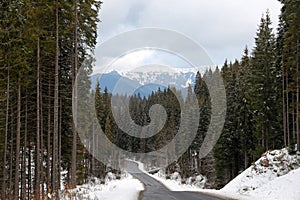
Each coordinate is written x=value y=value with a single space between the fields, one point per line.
x=154 y=190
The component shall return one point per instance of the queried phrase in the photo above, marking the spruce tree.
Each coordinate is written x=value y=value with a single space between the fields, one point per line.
x=264 y=86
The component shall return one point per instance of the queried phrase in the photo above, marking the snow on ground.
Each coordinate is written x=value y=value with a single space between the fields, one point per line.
x=127 y=188
x=175 y=185
x=273 y=176
x=283 y=187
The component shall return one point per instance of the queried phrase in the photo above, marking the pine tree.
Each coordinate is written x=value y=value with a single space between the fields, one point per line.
x=32 y=34
x=264 y=86
x=244 y=114
x=227 y=150
x=206 y=164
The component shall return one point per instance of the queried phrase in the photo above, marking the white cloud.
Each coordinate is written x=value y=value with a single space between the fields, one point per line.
x=132 y=60
x=140 y=58
x=222 y=27
x=124 y=62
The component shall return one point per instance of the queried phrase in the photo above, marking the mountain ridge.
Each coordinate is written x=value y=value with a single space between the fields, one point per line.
x=144 y=81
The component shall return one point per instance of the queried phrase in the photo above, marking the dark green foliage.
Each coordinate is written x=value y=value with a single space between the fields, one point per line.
x=265 y=88
x=227 y=151
x=288 y=49
x=254 y=105
x=27 y=54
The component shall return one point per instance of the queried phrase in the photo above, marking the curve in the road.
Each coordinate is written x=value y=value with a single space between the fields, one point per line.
x=154 y=190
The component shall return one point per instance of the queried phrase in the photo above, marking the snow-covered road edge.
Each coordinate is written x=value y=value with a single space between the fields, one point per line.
x=128 y=188
x=174 y=186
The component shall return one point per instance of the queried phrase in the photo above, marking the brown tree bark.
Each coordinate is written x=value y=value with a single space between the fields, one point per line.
x=6 y=135
x=55 y=160
x=283 y=108
x=38 y=151
x=297 y=101
x=49 y=138
x=74 y=139
x=24 y=167
x=18 y=137
x=287 y=112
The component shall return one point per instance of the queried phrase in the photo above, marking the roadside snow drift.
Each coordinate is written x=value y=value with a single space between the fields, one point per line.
x=273 y=176
x=284 y=187
x=124 y=189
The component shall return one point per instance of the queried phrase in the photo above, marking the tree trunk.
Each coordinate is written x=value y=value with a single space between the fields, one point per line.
x=11 y=157
x=267 y=136
x=287 y=111
x=245 y=160
x=93 y=150
x=49 y=138
x=74 y=145
x=59 y=139
x=6 y=135
x=55 y=160
x=297 y=101
x=38 y=157
x=18 y=137
x=283 y=108
x=23 y=190
x=294 y=121
x=29 y=173
x=42 y=150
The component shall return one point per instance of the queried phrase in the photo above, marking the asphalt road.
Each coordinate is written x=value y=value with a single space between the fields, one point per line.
x=154 y=190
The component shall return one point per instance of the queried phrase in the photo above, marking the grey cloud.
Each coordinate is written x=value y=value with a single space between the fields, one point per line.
x=156 y=38
x=222 y=27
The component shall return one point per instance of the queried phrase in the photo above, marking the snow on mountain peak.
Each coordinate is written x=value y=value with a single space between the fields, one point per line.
x=162 y=75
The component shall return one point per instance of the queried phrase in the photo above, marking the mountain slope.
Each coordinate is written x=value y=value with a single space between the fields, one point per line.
x=144 y=81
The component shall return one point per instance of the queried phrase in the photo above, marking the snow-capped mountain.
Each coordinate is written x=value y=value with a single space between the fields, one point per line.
x=146 y=79
x=161 y=75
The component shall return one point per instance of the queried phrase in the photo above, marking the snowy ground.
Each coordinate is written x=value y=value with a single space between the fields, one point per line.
x=125 y=189
x=275 y=176
x=175 y=185
x=284 y=187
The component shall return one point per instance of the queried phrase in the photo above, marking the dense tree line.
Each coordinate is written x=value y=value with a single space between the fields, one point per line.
x=42 y=44
x=262 y=96
x=189 y=164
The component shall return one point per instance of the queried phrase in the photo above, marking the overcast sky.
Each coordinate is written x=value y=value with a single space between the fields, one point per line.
x=221 y=27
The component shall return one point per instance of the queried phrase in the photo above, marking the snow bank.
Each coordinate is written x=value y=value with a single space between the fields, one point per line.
x=127 y=188
x=270 y=177
x=284 y=187
x=175 y=185
x=275 y=176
